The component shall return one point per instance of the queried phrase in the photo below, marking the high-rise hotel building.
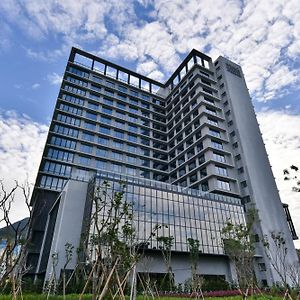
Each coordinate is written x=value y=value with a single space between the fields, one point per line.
x=193 y=140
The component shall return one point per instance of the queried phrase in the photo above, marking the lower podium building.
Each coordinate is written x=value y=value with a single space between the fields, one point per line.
x=184 y=213
x=189 y=152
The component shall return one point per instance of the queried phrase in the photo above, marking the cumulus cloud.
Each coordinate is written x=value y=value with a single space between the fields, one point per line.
x=281 y=134
x=54 y=78
x=72 y=21
x=21 y=144
x=262 y=36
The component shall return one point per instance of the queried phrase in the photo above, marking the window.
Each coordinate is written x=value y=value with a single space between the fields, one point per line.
x=192 y=166
x=131 y=149
x=85 y=161
x=110 y=84
x=116 y=168
x=241 y=170
x=181 y=172
x=55 y=140
x=108 y=101
x=95 y=88
x=86 y=148
x=65 y=130
x=216 y=145
x=145 y=162
x=94 y=97
x=224 y=185
x=118 y=145
x=134 y=93
x=106 y=110
x=105 y=120
x=131 y=159
x=90 y=126
x=70 y=109
x=104 y=130
x=121 y=105
x=145 y=105
x=103 y=141
x=218 y=157
x=203 y=172
x=96 y=79
x=212 y=121
x=232 y=133
x=145 y=142
x=78 y=72
x=132 y=138
x=210 y=111
x=145 y=97
x=100 y=164
x=93 y=106
x=204 y=186
x=119 y=124
x=207 y=91
x=68 y=119
x=122 y=89
x=244 y=184
x=119 y=134
x=56 y=168
x=235 y=145
x=238 y=157
x=215 y=133
x=109 y=92
x=221 y=171
x=201 y=159
x=60 y=155
x=117 y=155
x=132 y=128
x=91 y=116
x=130 y=171
x=102 y=152
x=133 y=101
x=73 y=99
x=133 y=110
x=88 y=137
x=52 y=182
x=193 y=178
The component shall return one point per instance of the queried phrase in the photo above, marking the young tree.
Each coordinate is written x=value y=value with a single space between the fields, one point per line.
x=238 y=240
x=276 y=250
x=13 y=257
x=166 y=243
x=197 y=280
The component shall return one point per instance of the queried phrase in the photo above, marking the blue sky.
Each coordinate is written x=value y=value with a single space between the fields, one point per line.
x=151 y=37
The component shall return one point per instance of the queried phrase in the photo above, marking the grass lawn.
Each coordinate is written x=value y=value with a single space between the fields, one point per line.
x=89 y=297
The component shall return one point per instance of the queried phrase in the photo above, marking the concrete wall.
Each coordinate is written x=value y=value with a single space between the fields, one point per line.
x=68 y=225
x=181 y=266
x=258 y=174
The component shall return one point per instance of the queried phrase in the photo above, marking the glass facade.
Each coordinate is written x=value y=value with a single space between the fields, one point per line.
x=168 y=127
x=186 y=213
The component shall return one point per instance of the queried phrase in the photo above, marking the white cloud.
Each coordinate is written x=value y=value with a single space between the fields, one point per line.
x=35 y=86
x=21 y=144
x=261 y=35
x=71 y=21
x=54 y=78
x=281 y=134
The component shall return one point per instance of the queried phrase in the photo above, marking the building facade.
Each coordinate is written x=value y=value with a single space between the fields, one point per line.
x=197 y=131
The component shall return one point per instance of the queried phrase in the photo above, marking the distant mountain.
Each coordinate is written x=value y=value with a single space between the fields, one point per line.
x=8 y=232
